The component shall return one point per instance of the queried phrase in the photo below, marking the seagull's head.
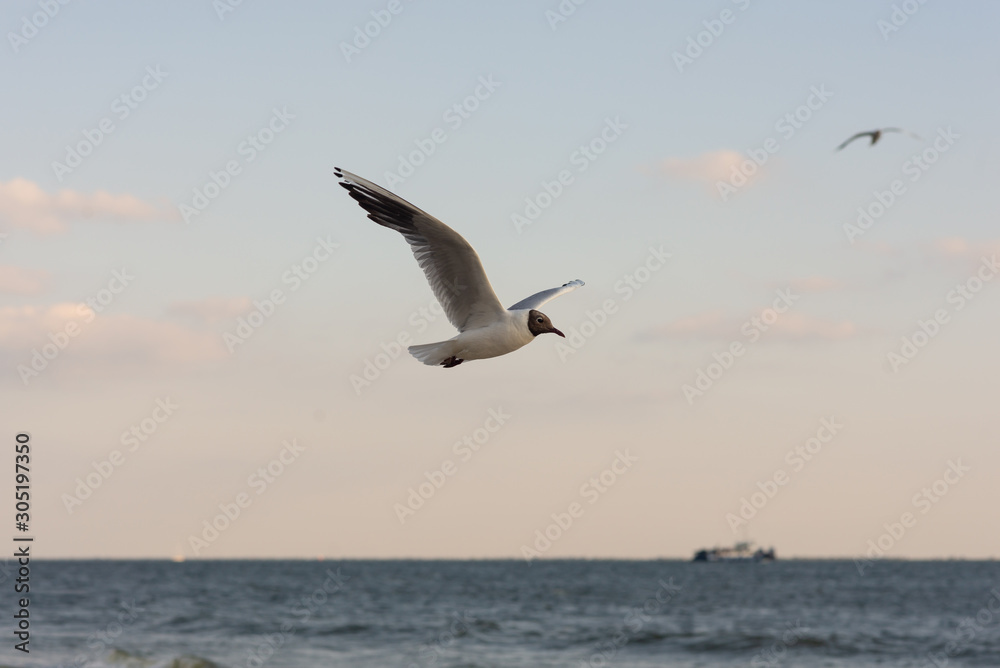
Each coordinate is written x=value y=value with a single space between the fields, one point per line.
x=539 y=323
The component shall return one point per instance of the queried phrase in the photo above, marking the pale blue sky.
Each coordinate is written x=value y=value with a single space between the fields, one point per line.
x=655 y=185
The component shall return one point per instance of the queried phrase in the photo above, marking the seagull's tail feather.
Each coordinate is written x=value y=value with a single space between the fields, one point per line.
x=433 y=354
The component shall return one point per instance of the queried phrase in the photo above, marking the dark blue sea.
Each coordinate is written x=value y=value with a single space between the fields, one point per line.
x=508 y=613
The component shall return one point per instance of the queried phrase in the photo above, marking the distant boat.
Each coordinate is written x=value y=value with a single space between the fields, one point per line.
x=739 y=552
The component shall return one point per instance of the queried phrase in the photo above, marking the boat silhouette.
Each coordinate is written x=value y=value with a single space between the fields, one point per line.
x=742 y=551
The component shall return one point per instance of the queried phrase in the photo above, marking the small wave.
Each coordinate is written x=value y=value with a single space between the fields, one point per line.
x=813 y=641
x=188 y=662
x=121 y=658
x=486 y=625
x=187 y=619
x=647 y=637
x=746 y=642
x=345 y=629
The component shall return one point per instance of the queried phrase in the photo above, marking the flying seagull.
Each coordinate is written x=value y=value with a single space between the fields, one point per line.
x=876 y=135
x=457 y=278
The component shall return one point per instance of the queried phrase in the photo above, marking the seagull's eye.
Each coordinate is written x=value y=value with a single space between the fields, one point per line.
x=539 y=320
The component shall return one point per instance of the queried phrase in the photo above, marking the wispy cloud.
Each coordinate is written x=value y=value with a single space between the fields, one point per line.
x=103 y=344
x=961 y=248
x=25 y=204
x=706 y=325
x=706 y=168
x=212 y=310
x=799 y=326
x=21 y=281
x=714 y=325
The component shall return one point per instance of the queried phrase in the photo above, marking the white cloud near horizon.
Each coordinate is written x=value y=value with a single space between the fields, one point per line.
x=25 y=204
x=21 y=281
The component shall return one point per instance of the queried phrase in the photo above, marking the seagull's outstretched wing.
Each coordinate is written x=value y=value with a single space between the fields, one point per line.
x=539 y=298
x=905 y=132
x=857 y=136
x=450 y=264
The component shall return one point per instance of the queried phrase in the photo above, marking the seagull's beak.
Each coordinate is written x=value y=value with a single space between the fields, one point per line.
x=556 y=331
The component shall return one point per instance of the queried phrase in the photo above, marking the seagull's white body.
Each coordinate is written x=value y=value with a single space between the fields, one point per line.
x=505 y=335
x=457 y=277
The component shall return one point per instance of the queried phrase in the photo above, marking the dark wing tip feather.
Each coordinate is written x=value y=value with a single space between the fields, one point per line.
x=442 y=253
x=382 y=210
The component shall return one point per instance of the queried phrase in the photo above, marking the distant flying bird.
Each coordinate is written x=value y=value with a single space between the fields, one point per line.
x=457 y=278
x=876 y=135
